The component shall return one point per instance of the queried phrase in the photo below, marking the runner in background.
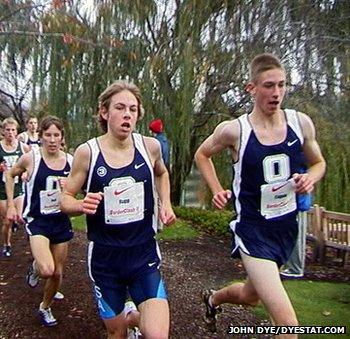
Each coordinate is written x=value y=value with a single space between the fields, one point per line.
x=10 y=151
x=30 y=136
x=48 y=228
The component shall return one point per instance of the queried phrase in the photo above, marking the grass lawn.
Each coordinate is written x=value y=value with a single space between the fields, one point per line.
x=179 y=230
x=78 y=223
x=317 y=303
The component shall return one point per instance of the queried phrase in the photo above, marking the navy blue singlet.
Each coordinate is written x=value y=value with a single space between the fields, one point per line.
x=139 y=172
x=43 y=179
x=258 y=165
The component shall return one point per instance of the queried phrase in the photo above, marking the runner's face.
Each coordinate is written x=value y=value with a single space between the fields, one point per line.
x=32 y=125
x=122 y=114
x=10 y=132
x=269 y=90
x=51 y=139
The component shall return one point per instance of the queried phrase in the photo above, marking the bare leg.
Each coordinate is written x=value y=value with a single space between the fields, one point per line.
x=154 y=318
x=263 y=283
x=59 y=254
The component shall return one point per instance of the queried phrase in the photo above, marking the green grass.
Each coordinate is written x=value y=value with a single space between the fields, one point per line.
x=78 y=223
x=317 y=303
x=179 y=230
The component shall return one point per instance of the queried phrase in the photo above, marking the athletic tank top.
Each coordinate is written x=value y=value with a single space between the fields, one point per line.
x=126 y=216
x=10 y=158
x=262 y=185
x=32 y=143
x=42 y=191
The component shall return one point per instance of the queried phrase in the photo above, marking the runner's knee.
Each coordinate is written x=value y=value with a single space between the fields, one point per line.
x=251 y=299
x=249 y=296
x=46 y=270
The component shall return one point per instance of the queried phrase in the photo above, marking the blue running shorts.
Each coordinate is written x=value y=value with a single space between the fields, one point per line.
x=58 y=229
x=117 y=272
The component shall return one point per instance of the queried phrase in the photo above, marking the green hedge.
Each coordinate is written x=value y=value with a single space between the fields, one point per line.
x=215 y=222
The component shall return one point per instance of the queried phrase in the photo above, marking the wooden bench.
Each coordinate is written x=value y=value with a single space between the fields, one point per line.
x=329 y=230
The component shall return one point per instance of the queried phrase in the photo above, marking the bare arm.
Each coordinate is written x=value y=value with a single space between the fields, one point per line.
x=225 y=135
x=21 y=137
x=26 y=148
x=21 y=166
x=162 y=181
x=75 y=181
x=315 y=161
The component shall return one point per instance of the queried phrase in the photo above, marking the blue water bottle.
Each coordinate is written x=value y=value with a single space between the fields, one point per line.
x=304 y=202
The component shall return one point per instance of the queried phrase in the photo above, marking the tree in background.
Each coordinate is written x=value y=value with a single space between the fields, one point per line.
x=190 y=59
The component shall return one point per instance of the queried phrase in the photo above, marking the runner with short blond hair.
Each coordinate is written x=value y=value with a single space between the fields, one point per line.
x=269 y=147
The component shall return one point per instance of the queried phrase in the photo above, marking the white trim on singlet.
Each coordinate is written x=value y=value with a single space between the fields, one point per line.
x=140 y=145
x=94 y=151
x=245 y=130
x=89 y=256
x=30 y=183
x=69 y=159
x=292 y=117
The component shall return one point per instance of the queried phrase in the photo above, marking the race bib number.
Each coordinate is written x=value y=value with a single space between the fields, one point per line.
x=10 y=160
x=50 y=202
x=124 y=201
x=277 y=199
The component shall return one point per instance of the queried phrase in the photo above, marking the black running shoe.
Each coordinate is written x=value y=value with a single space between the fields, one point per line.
x=211 y=311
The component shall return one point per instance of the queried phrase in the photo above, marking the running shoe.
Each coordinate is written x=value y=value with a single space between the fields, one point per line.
x=58 y=296
x=134 y=333
x=287 y=273
x=6 y=252
x=129 y=307
x=211 y=311
x=46 y=316
x=32 y=276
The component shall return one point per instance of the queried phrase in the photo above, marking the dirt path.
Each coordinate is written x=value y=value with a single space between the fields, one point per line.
x=188 y=266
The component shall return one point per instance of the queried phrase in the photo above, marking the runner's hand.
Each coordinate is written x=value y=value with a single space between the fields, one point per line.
x=91 y=202
x=167 y=215
x=3 y=166
x=11 y=213
x=221 y=198
x=303 y=183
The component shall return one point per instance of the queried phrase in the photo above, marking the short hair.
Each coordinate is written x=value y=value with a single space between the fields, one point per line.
x=263 y=62
x=47 y=122
x=9 y=121
x=30 y=117
x=104 y=100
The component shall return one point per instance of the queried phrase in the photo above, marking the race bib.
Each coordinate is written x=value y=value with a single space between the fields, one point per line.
x=10 y=160
x=50 y=202
x=277 y=199
x=124 y=202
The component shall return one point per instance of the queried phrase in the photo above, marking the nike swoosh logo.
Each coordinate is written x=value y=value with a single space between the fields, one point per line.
x=137 y=166
x=151 y=264
x=116 y=193
x=65 y=173
x=290 y=143
x=51 y=194
x=274 y=189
